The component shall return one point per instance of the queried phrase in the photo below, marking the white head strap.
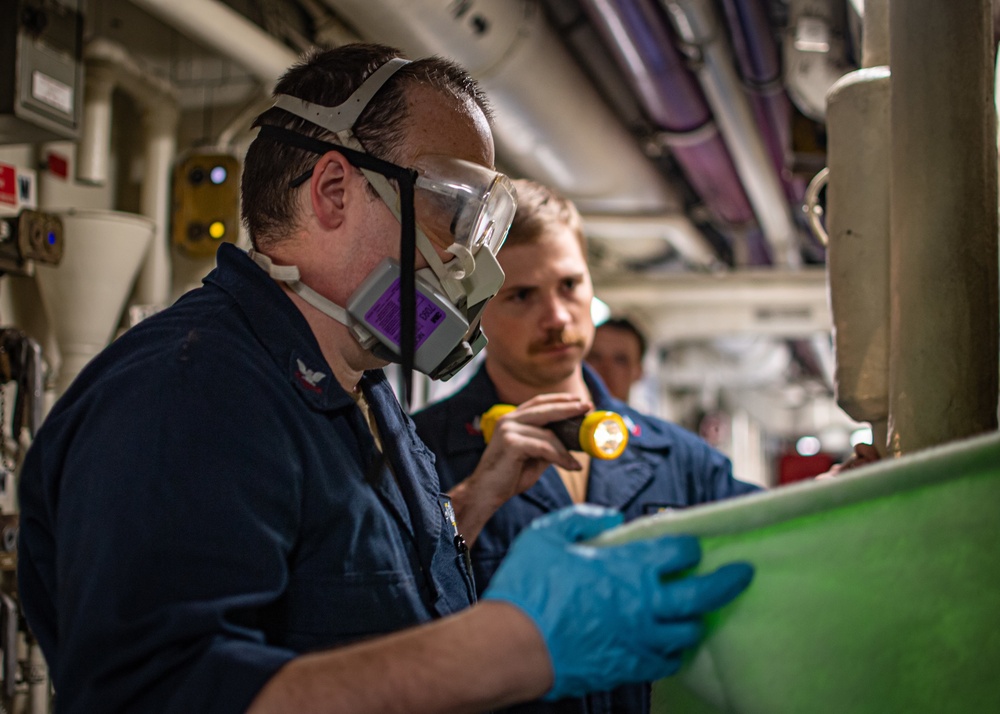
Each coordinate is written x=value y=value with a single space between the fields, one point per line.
x=290 y=276
x=343 y=116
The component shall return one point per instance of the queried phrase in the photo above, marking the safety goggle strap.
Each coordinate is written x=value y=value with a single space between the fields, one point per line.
x=343 y=116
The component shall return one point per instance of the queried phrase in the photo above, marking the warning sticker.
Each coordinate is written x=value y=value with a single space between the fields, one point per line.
x=8 y=185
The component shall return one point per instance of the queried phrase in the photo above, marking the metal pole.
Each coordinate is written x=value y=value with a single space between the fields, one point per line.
x=943 y=248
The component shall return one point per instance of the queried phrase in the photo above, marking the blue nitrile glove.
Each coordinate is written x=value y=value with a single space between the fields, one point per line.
x=608 y=614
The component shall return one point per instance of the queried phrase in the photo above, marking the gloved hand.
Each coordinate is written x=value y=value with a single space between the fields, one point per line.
x=609 y=615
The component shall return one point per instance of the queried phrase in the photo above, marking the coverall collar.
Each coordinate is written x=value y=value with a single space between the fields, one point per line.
x=280 y=327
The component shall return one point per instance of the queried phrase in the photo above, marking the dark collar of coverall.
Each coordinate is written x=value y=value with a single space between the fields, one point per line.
x=611 y=483
x=280 y=327
x=284 y=332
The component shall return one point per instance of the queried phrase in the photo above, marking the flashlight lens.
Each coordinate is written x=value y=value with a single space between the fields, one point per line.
x=608 y=436
x=603 y=434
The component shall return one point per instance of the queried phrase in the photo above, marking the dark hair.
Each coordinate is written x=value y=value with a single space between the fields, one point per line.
x=328 y=77
x=539 y=209
x=623 y=323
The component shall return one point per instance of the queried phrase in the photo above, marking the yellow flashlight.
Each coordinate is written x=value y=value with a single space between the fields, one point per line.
x=602 y=434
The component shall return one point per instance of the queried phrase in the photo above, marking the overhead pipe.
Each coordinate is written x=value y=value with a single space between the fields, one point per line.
x=760 y=67
x=635 y=33
x=943 y=374
x=551 y=124
x=109 y=66
x=219 y=27
x=697 y=26
x=114 y=68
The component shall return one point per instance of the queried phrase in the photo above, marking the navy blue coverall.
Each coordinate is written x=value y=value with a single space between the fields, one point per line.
x=206 y=501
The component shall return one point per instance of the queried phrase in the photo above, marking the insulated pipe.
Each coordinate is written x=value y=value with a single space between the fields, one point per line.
x=550 y=122
x=875 y=40
x=109 y=66
x=94 y=147
x=859 y=157
x=760 y=67
x=221 y=28
x=697 y=26
x=945 y=318
x=670 y=228
x=157 y=100
x=153 y=285
x=635 y=33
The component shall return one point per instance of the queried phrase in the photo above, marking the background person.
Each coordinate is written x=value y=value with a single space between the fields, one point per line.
x=228 y=510
x=616 y=355
x=540 y=328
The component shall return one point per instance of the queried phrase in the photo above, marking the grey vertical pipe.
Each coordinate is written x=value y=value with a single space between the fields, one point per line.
x=943 y=375
x=857 y=254
x=858 y=219
x=875 y=40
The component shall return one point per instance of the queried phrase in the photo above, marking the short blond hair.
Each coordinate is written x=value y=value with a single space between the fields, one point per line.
x=539 y=209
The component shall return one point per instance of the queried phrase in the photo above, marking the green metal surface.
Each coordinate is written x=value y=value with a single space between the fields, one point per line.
x=875 y=592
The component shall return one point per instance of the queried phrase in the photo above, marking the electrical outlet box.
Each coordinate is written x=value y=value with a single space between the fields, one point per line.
x=41 y=70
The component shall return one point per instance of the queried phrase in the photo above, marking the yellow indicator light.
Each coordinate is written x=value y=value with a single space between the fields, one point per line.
x=602 y=434
x=217 y=229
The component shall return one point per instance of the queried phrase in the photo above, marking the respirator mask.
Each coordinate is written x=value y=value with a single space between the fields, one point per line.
x=428 y=319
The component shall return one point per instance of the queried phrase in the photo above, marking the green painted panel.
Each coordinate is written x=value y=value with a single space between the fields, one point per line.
x=875 y=592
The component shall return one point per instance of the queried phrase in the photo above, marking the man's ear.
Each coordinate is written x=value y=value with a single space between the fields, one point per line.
x=328 y=188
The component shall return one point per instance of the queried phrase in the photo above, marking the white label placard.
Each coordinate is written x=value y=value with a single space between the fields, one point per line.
x=52 y=92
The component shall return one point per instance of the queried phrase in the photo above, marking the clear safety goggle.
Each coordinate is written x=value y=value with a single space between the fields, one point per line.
x=457 y=202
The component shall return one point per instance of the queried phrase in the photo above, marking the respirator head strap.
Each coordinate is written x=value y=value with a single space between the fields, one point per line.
x=407 y=179
x=343 y=116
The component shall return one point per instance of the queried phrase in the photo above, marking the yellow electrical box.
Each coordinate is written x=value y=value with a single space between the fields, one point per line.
x=205 y=202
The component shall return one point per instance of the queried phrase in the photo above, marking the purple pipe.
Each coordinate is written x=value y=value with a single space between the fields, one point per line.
x=638 y=35
x=760 y=66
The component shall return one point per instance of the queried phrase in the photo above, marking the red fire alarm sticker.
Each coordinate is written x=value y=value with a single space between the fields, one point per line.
x=8 y=185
